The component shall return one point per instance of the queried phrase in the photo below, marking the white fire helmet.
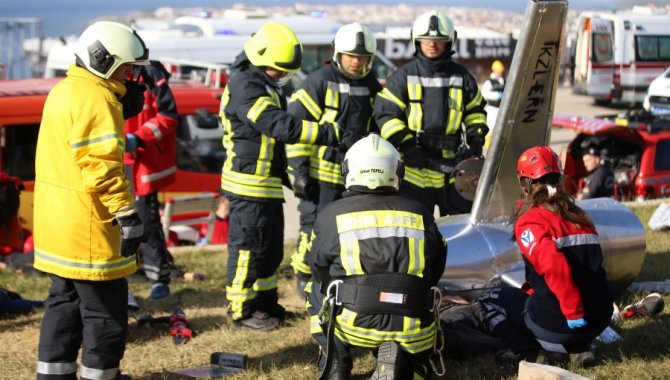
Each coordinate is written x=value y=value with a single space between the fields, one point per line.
x=433 y=25
x=106 y=45
x=354 y=39
x=372 y=164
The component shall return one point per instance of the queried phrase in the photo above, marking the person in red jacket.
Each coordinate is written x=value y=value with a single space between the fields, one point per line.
x=566 y=301
x=151 y=151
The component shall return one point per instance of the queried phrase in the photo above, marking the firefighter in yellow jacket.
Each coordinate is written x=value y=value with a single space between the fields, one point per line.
x=86 y=230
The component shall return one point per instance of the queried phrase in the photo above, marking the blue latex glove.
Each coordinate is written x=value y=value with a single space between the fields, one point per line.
x=132 y=142
x=576 y=323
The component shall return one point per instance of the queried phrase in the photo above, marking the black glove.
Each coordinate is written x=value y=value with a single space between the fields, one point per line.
x=132 y=233
x=305 y=187
x=475 y=140
x=347 y=139
x=133 y=101
x=412 y=155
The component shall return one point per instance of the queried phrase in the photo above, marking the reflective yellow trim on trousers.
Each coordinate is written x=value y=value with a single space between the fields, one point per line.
x=298 y=259
x=251 y=185
x=388 y=95
x=414 y=340
x=236 y=293
x=265 y=284
x=392 y=127
x=259 y=106
x=424 y=178
x=306 y=100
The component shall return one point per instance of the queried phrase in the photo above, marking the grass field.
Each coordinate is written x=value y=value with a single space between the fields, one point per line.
x=289 y=353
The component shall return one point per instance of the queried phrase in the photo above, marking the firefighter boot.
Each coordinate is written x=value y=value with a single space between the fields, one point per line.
x=388 y=359
x=259 y=321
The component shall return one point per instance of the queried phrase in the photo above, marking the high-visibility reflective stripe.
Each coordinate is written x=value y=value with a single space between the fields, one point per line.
x=388 y=95
x=99 y=374
x=392 y=127
x=424 y=177
x=380 y=232
x=158 y=175
x=350 y=255
x=414 y=90
x=475 y=118
x=45 y=368
x=306 y=100
x=251 y=185
x=265 y=153
x=299 y=150
x=93 y=140
x=236 y=293
x=259 y=106
x=324 y=170
x=455 y=113
x=476 y=101
x=378 y=219
x=315 y=325
x=309 y=132
x=332 y=103
x=572 y=240
x=107 y=266
x=265 y=284
x=439 y=82
x=155 y=130
x=417 y=260
x=298 y=261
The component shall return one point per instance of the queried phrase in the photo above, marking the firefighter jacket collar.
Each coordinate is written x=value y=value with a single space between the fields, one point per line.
x=434 y=65
x=112 y=84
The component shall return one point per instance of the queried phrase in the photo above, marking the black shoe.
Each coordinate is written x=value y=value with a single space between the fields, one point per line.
x=387 y=362
x=275 y=311
x=583 y=359
x=259 y=321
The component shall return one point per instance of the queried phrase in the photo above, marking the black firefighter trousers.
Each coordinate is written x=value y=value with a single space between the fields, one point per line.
x=156 y=259
x=92 y=315
x=255 y=250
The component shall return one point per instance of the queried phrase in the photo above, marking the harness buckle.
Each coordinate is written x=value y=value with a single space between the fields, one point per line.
x=333 y=291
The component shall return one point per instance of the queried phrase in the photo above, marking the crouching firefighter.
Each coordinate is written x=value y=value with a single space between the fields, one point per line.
x=375 y=255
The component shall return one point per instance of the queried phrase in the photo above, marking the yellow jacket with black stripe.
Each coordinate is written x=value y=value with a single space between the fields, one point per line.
x=378 y=233
x=79 y=180
x=437 y=98
x=255 y=129
x=327 y=95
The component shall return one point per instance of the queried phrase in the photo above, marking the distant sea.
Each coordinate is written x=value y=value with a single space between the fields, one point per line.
x=71 y=17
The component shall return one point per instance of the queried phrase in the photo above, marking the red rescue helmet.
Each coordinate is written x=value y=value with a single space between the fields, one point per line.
x=537 y=162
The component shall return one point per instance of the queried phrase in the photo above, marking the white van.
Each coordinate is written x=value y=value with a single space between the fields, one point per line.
x=618 y=54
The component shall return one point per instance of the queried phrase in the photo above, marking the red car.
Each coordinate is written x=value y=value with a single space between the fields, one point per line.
x=635 y=146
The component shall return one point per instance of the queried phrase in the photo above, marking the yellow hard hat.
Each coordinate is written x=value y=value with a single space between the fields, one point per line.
x=275 y=45
x=497 y=67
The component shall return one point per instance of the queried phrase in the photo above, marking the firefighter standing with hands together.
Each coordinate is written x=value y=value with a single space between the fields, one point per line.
x=342 y=92
x=86 y=230
x=433 y=112
x=256 y=127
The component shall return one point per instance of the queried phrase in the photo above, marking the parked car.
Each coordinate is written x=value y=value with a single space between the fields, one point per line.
x=635 y=146
x=657 y=100
x=200 y=154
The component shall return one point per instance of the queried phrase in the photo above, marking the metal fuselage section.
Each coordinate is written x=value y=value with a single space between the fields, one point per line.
x=481 y=251
x=484 y=254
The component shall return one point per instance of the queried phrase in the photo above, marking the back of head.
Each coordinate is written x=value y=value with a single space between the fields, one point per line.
x=274 y=45
x=433 y=25
x=372 y=165
x=106 y=45
x=354 y=39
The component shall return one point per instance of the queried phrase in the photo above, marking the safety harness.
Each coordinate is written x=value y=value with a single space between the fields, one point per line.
x=382 y=293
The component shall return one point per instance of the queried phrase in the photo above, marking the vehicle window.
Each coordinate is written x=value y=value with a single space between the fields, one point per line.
x=662 y=161
x=652 y=48
x=199 y=147
x=19 y=143
x=602 y=47
x=313 y=57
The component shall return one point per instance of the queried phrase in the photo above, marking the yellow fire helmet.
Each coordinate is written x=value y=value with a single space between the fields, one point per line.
x=497 y=67
x=274 y=45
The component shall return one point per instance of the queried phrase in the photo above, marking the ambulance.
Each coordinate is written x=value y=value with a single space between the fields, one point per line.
x=617 y=55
